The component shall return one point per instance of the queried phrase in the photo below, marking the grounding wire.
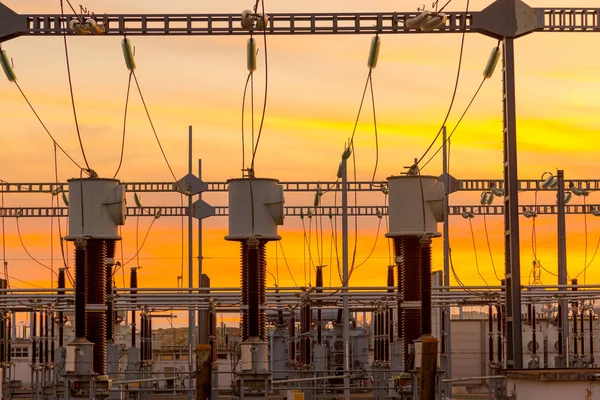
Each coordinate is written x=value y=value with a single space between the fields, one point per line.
x=489 y=246
x=124 y=126
x=262 y=118
x=71 y=85
x=154 y=131
x=475 y=251
x=458 y=72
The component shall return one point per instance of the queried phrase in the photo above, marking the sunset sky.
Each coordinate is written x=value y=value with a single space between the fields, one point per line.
x=315 y=85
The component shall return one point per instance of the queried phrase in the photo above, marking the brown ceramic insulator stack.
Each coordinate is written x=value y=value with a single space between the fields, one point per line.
x=410 y=267
x=292 y=338
x=96 y=296
x=426 y=304
x=254 y=283
x=398 y=251
x=319 y=284
x=262 y=290
x=61 y=285
x=245 y=288
x=133 y=284
x=110 y=309
x=305 y=339
x=80 y=273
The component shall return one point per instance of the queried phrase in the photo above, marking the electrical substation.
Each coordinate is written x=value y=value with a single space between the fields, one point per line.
x=414 y=336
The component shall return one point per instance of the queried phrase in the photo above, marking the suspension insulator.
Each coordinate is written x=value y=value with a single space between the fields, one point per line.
x=128 y=54
x=251 y=49
x=374 y=52
x=96 y=301
x=7 y=67
x=490 y=67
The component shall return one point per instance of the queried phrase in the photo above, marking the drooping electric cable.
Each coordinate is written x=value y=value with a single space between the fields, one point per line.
x=4 y=262
x=27 y=251
x=475 y=251
x=124 y=126
x=141 y=247
x=64 y=29
x=534 y=239
x=243 y=127
x=487 y=238
x=137 y=84
x=286 y=263
x=457 y=124
x=458 y=72
x=372 y=248
x=264 y=110
x=45 y=128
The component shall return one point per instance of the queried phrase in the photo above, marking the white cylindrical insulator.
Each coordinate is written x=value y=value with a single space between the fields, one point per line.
x=410 y=199
x=262 y=21
x=251 y=50
x=94 y=27
x=7 y=67
x=435 y=22
x=374 y=52
x=96 y=208
x=128 y=54
x=266 y=195
x=419 y=20
x=492 y=63
x=246 y=19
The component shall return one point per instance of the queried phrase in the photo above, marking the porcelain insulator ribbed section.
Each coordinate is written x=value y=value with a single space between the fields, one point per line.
x=410 y=289
x=110 y=310
x=426 y=318
x=253 y=282
x=96 y=295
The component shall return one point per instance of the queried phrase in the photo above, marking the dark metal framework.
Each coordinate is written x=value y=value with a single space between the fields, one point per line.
x=505 y=20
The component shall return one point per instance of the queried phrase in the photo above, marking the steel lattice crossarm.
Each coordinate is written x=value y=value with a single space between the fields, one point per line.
x=472 y=185
x=13 y=25
x=302 y=211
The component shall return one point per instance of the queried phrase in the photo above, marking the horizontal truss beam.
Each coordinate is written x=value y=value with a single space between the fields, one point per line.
x=294 y=211
x=474 y=185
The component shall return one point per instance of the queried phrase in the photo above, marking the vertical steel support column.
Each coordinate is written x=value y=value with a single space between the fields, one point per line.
x=202 y=315
x=346 y=305
x=562 y=262
x=447 y=332
x=191 y=314
x=514 y=339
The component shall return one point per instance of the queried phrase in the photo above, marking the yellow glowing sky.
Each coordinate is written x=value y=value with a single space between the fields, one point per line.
x=315 y=85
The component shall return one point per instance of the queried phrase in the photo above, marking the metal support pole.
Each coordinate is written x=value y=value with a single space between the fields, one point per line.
x=192 y=315
x=562 y=261
x=447 y=323
x=514 y=339
x=346 y=305
x=201 y=321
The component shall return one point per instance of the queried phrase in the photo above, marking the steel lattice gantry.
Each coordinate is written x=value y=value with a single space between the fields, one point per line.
x=504 y=20
x=297 y=211
x=463 y=185
x=13 y=25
